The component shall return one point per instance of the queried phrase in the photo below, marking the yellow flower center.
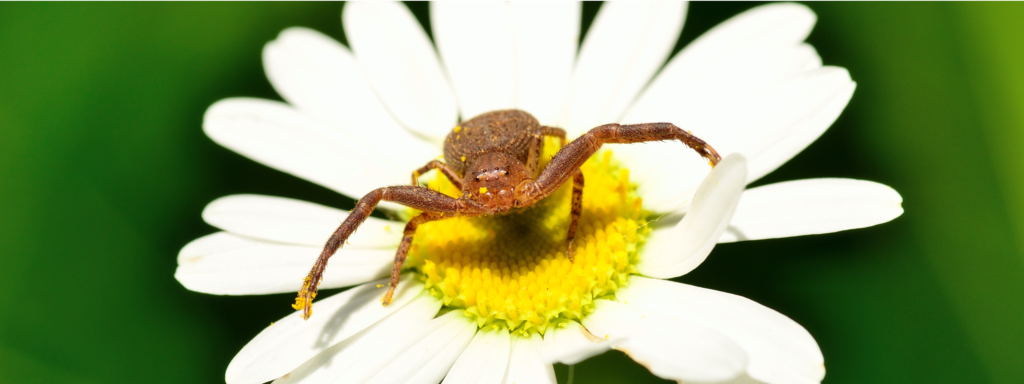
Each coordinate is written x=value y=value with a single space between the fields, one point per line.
x=510 y=271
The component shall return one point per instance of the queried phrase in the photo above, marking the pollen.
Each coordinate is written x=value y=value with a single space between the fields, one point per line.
x=483 y=190
x=300 y=302
x=510 y=271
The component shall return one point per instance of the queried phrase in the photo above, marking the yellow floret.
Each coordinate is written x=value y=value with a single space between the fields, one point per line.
x=510 y=271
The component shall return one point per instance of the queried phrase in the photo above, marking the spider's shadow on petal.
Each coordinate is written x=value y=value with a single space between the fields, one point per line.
x=339 y=317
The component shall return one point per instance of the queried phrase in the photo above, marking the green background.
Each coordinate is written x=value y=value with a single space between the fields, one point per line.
x=104 y=170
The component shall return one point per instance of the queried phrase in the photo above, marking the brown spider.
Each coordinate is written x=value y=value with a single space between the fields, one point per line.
x=493 y=159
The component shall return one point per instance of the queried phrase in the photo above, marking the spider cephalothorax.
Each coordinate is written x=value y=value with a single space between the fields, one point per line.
x=493 y=158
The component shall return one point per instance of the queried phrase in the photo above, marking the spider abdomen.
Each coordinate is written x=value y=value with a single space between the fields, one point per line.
x=509 y=132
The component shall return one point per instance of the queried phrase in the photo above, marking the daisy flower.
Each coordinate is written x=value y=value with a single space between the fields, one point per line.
x=494 y=299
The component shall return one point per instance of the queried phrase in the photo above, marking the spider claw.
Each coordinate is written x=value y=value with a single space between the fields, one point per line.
x=304 y=300
x=387 y=296
x=571 y=251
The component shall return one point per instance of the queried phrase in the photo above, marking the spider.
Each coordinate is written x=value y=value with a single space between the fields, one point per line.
x=493 y=159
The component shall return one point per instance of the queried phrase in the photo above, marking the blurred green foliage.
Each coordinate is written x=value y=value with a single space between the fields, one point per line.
x=104 y=170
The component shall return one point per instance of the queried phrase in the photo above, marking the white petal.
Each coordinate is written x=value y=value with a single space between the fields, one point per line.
x=476 y=44
x=806 y=207
x=742 y=378
x=712 y=88
x=291 y=341
x=768 y=129
x=484 y=360
x=723 y=68
x=320 y=77
x=779 y=349
x=359 y=356
x=278 y=136
x=295 y=222
x=399 y=61
x=624 y=47
x=526 y=365
x=675 y=251
x=546 y=35
x=572 y=344
x=672 y=347
x=430 y=358
x=710 y=110
x=771 y=127
x=666 y=173
x=228 y=264
x=792 y=116
x=749 y=52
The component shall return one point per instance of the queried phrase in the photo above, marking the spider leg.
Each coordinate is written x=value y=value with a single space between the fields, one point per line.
x=568 y=160
x=537 y=146
x=574 y=213
x=448 y=172
x=577 y=192
x=533 y=158
x=406 y=244
x=434 y=204
x=553 y=131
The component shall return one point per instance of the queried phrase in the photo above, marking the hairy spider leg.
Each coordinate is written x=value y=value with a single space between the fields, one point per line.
x=533 y=158
x=577 y=186
x=568 y=160
x=448 y=172
x=434 y=204
x=537 y=147
x=574 y=213
x=554 y=132
x=406 y=244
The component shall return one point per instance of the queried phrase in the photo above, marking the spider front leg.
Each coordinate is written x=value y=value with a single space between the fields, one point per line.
x=443 y=168
x=434 y=204
x=568 y=160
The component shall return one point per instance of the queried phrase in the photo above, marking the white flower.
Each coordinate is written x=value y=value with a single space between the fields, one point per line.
x=356 y=121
